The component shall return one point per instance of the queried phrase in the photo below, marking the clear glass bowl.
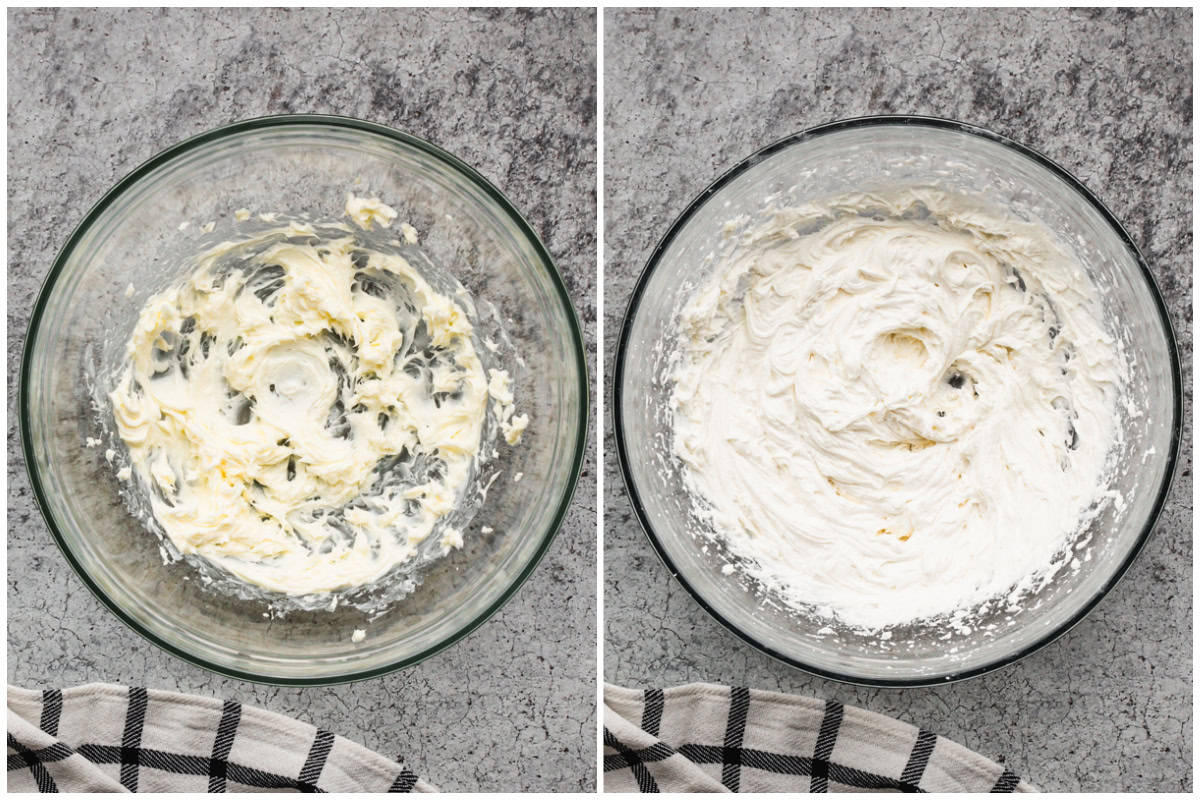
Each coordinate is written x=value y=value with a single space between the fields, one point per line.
x=874 y=153
x=295 y=165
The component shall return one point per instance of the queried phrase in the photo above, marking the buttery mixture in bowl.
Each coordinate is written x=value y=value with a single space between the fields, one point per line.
x=304 y=411
x=897 y=407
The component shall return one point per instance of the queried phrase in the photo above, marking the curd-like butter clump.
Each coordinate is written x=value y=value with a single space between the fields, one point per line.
x=303 y=411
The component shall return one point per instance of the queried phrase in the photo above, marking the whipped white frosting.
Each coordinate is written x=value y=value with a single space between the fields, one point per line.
x=303 y=411
x=894 y=408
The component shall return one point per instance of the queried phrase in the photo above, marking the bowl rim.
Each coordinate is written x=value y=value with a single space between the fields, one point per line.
x=232 y=130
x=900 y=120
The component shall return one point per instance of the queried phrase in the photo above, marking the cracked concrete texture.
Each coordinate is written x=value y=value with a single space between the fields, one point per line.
x=1107 y=94
x=92 y=94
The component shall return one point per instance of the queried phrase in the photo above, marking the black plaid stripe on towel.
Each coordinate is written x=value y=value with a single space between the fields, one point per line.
x=105 y=738
x=707 y=738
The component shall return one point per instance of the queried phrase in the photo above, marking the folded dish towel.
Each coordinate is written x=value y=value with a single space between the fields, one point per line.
x=707 y=738
x=105 y=738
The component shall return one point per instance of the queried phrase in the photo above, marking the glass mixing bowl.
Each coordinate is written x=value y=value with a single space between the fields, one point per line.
x=876 y=153
x=296 y=165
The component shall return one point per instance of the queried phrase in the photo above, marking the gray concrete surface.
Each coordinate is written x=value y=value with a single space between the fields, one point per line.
x=1107 y=94
x=94 y=93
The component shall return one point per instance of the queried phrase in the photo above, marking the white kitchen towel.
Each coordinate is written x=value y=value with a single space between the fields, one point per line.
x=707 y=738
x=105 y=738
